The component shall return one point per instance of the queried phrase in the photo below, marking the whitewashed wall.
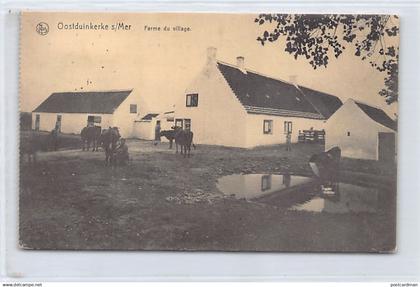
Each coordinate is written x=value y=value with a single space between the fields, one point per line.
x=71 y=123
x=219 y=118
x=255 y=135
x=124 y=120
x=363 y=140
x=144 y=130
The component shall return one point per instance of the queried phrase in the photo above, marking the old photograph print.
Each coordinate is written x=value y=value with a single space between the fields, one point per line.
x=208 y=132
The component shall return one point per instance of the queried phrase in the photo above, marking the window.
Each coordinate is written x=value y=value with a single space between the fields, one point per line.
x=287 y=179
x=58 y=118
x=133 y=109
x=170 y=119
x=192 y=100
x=348 y=134
x=265 y=182
x=287 y=127
x=94 y=120
x=268 y=127
x=183 y=123
x=179 y=123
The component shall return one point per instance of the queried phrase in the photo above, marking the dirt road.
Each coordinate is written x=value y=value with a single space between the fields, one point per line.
x=162 y=201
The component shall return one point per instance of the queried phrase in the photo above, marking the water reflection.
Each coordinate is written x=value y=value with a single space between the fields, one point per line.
x=349 y=198
x=300 y=193
x=250 y=186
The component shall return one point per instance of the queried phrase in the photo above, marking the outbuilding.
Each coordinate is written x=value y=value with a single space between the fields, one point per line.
x=362 y=131
x=145 y=127
x=71 y=111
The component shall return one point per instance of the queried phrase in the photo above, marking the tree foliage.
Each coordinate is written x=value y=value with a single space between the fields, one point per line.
x=318 y=38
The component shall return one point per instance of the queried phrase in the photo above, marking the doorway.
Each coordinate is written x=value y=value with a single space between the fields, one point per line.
x=386 y=147
x=37 y=122
x=58 y=123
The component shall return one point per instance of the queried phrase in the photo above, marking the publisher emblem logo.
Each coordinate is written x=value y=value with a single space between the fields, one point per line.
x=42 y=28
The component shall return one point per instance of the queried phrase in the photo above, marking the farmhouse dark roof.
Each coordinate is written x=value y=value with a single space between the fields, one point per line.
x=83 y=102
x=266 y=95
x=324 y=103
x=149 y=117
x=378 y=116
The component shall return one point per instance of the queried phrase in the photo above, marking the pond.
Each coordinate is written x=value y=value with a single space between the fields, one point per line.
x=300 y=193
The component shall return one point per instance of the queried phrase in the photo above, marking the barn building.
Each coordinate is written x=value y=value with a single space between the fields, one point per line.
x=362 y=131
x=230 y=105
x=71 y=111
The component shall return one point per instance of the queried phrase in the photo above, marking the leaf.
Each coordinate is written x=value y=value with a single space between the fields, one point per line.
x=314 y=36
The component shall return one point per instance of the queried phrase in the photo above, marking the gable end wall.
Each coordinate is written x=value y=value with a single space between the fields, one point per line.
x=220 y=118
x=362 y=142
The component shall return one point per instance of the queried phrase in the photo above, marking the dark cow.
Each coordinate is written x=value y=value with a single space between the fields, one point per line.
x=109 y=140
x=326 y=165
x=170 y=135
x=90 y=135
x=184 y=138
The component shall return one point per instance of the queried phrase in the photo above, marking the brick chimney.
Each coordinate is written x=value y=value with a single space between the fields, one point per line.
x=240 y=62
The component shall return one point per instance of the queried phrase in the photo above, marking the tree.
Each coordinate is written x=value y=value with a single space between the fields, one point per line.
x=319 y=37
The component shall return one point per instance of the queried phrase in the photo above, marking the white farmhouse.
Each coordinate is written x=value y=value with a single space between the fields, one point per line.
x=362 y=131
x=71 y=111
x=230 y=105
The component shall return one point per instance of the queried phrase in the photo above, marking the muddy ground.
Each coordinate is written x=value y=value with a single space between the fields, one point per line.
x=162 y=201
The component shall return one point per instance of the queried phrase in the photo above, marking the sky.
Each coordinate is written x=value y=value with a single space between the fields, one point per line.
x=159 y=65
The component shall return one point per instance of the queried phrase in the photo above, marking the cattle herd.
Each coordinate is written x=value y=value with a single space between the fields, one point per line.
x=93 y=137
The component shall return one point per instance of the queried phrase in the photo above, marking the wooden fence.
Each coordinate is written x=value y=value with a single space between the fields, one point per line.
x=311 y=136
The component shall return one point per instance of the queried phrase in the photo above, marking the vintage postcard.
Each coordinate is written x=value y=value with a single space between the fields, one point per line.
x=220 y=132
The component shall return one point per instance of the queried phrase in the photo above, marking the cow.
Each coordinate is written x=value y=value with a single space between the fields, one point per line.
x=170 y=135
x=90 y=134
x=326 y=165
x=184 y=138
x=109 y=139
